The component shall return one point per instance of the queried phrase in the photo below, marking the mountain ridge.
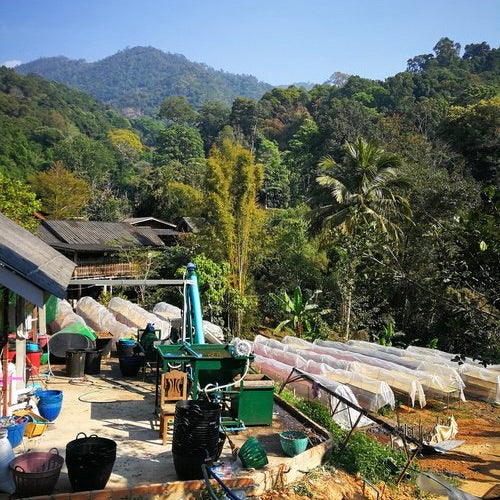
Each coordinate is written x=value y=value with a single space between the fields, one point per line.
x=138 y=79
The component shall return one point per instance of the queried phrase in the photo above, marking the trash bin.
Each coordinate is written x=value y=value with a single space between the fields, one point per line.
x=75 y=363
x=93 y=361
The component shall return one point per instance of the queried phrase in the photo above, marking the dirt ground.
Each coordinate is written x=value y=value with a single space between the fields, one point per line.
x=475 y=465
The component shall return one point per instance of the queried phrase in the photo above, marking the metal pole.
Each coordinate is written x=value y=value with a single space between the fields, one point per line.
x=353 y=428
x=5 y=357
x=408 y=463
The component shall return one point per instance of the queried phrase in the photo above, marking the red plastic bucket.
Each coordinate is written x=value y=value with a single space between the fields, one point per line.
x=42 y=341
x=33 y=359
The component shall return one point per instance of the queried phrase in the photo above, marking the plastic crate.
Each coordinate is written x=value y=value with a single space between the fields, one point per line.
x=36 y=425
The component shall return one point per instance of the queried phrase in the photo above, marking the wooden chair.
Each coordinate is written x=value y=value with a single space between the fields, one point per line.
x=173 y=388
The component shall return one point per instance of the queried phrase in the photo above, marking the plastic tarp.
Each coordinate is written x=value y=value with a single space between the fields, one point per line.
x=65 y=316
x=169 y=312
x=481 y=383
x=303 y=388
x=440 y=379
x=371 y=394
x=398 y=380
x=102 y=320
x=132 y=315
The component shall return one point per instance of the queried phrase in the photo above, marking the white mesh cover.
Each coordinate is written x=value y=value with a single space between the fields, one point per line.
x=65 y=316
x=213 y=333
x=394 y=376
x=303 y=388
x=442 y=379
x=437 y=376
x=169 y=312
x=371 y=394
x=481 y=383
x=100 y=319
x=134 y=316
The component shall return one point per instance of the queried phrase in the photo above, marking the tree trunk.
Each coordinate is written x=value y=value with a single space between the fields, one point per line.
x=346 y=312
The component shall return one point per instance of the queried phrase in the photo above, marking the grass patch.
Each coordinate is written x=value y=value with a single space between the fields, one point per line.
x=363 y=454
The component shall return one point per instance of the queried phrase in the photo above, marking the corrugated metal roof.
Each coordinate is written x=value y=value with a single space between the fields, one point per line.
x=107 y=235
x=139 y=220
x=24 y=253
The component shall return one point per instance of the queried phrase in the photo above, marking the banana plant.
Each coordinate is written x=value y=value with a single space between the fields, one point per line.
x=301 y=314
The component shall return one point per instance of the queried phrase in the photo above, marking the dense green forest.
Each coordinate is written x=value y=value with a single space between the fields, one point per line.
x=359 y=208
x=136 y=80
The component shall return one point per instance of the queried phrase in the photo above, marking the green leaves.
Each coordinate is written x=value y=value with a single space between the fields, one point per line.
x=302 y=315
x=18 y=202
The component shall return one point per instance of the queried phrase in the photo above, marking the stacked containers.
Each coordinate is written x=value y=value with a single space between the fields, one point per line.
x=196 y=438
x=130 y=362
x=49 y=404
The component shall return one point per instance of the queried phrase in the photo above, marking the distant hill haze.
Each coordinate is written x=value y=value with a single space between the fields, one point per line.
x=136 y=80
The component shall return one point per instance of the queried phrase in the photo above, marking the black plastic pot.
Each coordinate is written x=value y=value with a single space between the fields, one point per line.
x=104 y=345
x=93 y=361
x=189 y=466
x=75 y=363
x=130 y=366
x=125 y=350
x=196 y=438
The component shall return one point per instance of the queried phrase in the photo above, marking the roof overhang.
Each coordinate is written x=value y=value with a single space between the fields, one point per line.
x=22 y=286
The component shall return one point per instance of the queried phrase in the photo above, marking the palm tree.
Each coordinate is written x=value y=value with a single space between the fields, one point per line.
x=364 y=191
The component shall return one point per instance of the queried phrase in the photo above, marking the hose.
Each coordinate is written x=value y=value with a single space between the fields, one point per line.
x=211 y=387
x=207 y=472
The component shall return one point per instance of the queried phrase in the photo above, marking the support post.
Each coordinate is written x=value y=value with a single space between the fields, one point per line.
x=407 y=465
x=5 y=352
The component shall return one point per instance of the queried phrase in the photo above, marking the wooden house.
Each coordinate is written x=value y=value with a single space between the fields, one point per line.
x=97 y=248
x=166 y=231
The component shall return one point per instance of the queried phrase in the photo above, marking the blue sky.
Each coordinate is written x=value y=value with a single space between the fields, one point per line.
x=278 y=41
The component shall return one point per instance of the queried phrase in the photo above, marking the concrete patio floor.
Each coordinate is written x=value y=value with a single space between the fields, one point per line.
x=122 y=409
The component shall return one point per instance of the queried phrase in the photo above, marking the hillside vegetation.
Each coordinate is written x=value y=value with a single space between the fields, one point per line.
x=138 y=79
x=360 y=208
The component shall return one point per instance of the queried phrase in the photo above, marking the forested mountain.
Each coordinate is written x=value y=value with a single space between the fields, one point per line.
x=37 y=117
x=383 y=195
x=136 y=80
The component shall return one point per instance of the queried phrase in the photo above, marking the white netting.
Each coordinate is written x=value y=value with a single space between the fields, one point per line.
x=371 y=394
x=100 y=319
x=441 y=379
x=135 y=316
x=344 y=415
x=399 y=381
x=65 y=316
x=169 y=312
x=213 y=333
x=481 y=383
x=287 y=358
